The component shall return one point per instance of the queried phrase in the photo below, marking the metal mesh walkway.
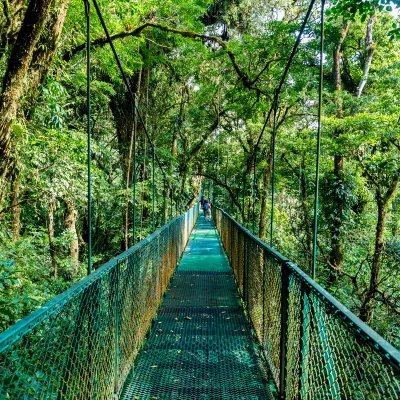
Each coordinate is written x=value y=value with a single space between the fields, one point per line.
x=200 y=346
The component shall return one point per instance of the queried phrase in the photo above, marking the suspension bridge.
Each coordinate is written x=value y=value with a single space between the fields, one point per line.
x=236 y=321
x=198 y=310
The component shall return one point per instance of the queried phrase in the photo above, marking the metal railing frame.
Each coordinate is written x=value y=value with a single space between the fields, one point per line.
x=81 y=291
x=361 y=330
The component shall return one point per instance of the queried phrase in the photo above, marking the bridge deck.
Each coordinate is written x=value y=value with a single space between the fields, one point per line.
x=200 y=346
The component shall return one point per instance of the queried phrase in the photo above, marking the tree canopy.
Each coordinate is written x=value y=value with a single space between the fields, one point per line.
x=204 y=75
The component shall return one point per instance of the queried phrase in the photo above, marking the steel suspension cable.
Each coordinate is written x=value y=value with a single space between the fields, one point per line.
x=153 y=172
x=134 y=172
x=125 y=79
x=271 y=231
x=170 y=204
x=243 y=197
x=153 y=193
x=283 y=78
x=254 y=189
x=320 y=93
x=176 y=206
x=274 y=108
x=89 y=154
x=132 y=95
x=143 y=192
x=164 y=202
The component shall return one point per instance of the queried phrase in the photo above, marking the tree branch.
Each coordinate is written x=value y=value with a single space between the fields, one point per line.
x=225 y=186
x=264 y=69
x=102 y=41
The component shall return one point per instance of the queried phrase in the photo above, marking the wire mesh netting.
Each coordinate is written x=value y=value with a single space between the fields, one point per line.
x=82 y=344
x=200 y=347
x=315 y=348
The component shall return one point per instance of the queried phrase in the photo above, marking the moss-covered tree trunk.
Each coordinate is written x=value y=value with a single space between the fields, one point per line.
x=16 y=73
x=15 y=204
x=126 y=124
x=382 y=200
x=50 y=230
x=47 y=46
x=71 y=216
x=10 y=22
x=336 y=253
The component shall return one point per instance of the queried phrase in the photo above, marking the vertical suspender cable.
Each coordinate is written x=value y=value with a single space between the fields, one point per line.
x=127 y=85
x=243 y=198
x=321 y=77
x=271 y=232
x=164 y=202
x=254 y=189
x=134 y=170
x=143 y=191
x=153 y=194
x=170 y=203
x=89 y=155
x=292 y=54
x=176 y=206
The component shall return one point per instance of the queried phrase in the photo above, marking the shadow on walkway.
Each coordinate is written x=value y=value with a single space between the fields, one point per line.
x=200 y=346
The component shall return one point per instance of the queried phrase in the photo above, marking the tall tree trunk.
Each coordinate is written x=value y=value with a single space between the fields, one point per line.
x=336 y=253
x=44 y=53
x=126 y=125
x=264 y=195
x=16 y=73
x=370 y=49
x=16 y=208
x=367 y=307
x=183 y=180
x=46 y=48
x=71 y=215
x=366 y=310
x=396 y=219
x=174 y=147
x=10 y=22
x=50 y=230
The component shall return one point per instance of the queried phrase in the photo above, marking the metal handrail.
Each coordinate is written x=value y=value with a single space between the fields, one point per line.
x=86 y=339
x=388 y=352
x=15 y=332
x=301 y=327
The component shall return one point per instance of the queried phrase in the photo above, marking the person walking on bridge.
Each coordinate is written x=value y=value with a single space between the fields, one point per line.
x=202 y=201
x=207 y=210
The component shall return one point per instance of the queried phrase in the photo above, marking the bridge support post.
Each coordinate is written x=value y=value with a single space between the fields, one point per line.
x=305 y=331
x=164 y=204
x=117 y=313
x=284 y=330
x=245 y=267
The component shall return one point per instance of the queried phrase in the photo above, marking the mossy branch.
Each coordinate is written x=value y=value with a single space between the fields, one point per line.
x=102 y=41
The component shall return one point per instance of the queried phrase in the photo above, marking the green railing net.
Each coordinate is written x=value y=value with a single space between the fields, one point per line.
x=82 y=344
x=315 y=348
